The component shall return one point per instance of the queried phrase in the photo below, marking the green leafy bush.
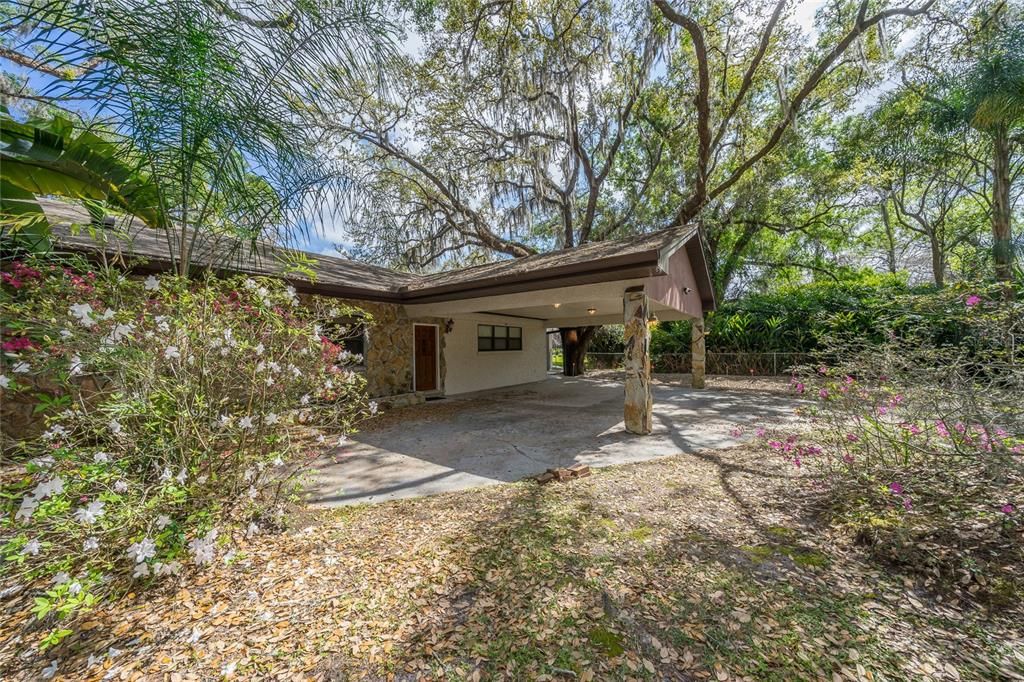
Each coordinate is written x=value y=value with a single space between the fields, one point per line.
x=918 y=440
x=175 y=411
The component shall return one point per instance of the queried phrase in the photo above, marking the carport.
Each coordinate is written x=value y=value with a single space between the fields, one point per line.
x=634 y=282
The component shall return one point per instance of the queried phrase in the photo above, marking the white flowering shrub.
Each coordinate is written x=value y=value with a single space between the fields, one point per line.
x=175 y=410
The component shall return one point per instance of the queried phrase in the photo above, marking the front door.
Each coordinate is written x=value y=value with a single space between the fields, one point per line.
x=425 y=356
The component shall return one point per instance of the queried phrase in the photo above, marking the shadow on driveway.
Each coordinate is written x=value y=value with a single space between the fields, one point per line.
x=507 y=434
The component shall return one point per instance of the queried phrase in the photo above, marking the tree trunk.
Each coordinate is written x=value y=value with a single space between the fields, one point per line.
x=1002 y=245
x=575 y=341
x=890 y=239
x=938 y=259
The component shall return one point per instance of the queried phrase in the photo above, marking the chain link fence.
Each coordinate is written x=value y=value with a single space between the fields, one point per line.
x=746 y=364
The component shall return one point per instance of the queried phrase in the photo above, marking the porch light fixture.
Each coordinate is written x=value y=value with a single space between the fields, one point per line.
x=591 y=311
x=449 y=325
x=687 y=290
x=556 y=305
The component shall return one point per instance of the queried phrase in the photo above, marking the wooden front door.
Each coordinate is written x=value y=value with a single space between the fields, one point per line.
x=425 y=354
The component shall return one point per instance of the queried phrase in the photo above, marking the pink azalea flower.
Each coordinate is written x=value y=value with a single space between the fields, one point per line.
x=799 y=387
x=882 y=410
x=906 y=503
x=823 y=394
x=895 y=488
x=1008 y=509
x=736 y=432
x=973 y=300
x=760 y=432
x=852 y=437
x=940 y=428
x=848 y=458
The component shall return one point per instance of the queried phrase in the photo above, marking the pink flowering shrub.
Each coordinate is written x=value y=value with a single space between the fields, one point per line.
x=919 y=441
x=176 y=413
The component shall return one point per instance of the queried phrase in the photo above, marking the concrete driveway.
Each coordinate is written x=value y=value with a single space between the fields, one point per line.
x=507 y=434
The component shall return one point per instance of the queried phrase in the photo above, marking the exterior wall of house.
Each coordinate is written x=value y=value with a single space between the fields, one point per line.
x=469 y=369
x=389 y=348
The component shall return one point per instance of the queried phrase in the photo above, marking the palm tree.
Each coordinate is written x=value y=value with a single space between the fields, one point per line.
x=194 y=111
x=989 y=97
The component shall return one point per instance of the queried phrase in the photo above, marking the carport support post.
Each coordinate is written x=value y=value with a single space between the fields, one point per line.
x=697 y=355
x=637 y=360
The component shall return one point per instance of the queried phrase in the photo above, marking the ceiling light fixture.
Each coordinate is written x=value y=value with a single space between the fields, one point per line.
x=591 y=311
x=556 y=305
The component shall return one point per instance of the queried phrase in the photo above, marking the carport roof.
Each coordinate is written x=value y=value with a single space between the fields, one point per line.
x=146 y=250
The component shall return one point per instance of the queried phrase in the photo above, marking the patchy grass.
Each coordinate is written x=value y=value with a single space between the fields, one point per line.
x=693 y=567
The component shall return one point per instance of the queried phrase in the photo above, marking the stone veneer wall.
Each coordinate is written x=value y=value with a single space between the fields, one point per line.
x=389 y=347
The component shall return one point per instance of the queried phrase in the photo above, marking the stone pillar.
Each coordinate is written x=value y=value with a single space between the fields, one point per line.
x=637 y=360
x=697 y=353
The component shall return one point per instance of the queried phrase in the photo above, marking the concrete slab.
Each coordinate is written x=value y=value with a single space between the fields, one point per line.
x=507 y=434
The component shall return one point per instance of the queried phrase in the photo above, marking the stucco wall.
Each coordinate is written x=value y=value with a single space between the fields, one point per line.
x=470 y=370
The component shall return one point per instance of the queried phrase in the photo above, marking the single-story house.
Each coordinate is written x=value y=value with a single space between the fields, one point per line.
x=461 y=330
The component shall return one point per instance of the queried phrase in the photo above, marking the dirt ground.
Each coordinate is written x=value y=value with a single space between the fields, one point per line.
x=692 y=567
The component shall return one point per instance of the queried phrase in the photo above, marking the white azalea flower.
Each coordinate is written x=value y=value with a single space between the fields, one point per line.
x=225 y=419
x=21 y=368
x=304 y=400
x=50 y=670
x=27 y=508
x=89 y=513
x=373 y=407
x=229 y=669
x=55 y=431
x=76 y=365
x=170 y=568
x=151 y=283
x=252 y=530
x=181 y=477
x=101 y=458
x=252 y=492
x=202 y=479
x=113 y=653
x=321 y=439
x=107 y=314
x=259 y=348
x=141 y=571
x=342 y=439
x=65 y=333
x=163 y=521
x=75 y=588
x=278 y=462
x=203 y=548
x=120 y=331
x=115 y=427
x=4 y=381
x=121 y=486
x=162 y=324
x=91 y=544
x=53 y=486
x=171 y=352
x=142 y=550
x=61 y=578
x=245 y=422
x=44 y=462
x=83 y=311
x=165 y=475
x=271 y=419
x=31 y=547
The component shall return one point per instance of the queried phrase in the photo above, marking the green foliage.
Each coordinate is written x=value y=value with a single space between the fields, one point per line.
x=919 y=434
x=174 y=410
x=192 y=115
